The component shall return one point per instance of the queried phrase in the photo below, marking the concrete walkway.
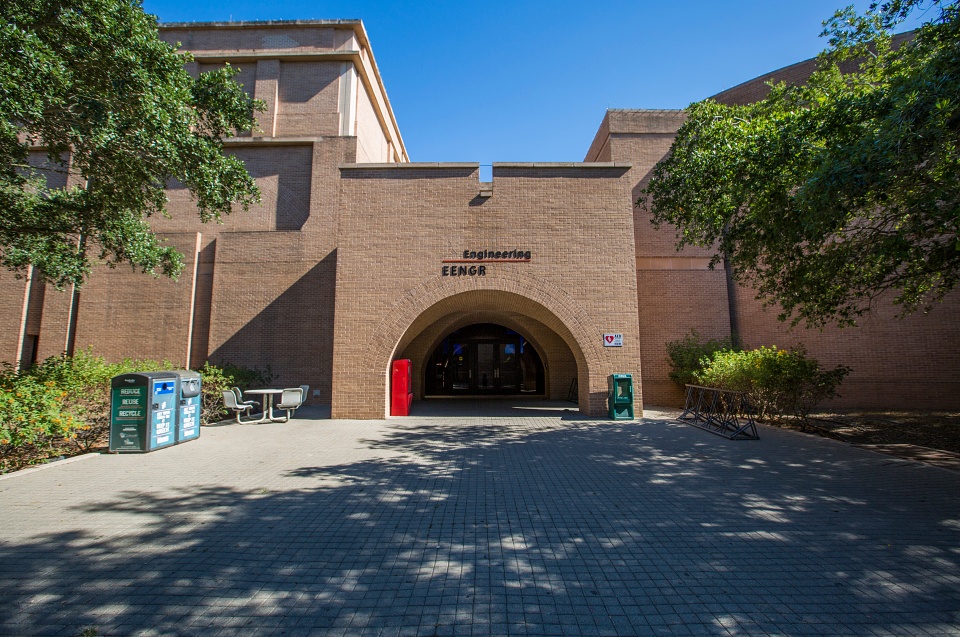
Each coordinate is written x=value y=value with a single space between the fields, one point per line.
x=483 y=518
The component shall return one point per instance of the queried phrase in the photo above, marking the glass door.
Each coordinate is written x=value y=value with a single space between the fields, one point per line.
x=508 y=371
x=459 y=370
x=484 y=359
x=486 y=378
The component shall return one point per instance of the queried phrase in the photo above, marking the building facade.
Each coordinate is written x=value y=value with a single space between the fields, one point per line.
x=357 y=257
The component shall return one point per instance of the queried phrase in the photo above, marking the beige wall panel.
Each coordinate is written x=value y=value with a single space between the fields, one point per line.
x=371 y=142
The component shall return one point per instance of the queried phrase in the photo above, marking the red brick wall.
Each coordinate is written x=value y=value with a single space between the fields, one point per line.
x=124 y=313
x=250 y=38
x=282 y=172
x=676 y=292
x=309 y=94
x=399 y=223
x=11 y=315
x=898 y=364
x=908 y=363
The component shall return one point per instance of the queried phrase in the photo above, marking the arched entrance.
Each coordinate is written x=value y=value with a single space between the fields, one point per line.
x=485 y=323
x=560 y=329
x=484 y=359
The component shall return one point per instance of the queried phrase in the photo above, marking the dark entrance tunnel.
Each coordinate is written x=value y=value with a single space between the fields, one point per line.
x=484 y=359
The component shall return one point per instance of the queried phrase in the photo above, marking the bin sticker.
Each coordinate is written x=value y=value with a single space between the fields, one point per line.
x=163 y=388
x=188 y=419
x=162 y=433
x=129 y=404
x=613 y=340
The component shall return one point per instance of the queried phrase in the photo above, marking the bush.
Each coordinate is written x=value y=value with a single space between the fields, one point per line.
x=33 y=422
x=776 y=382
x=218 y=379
x=61 y=406
x=690 y=355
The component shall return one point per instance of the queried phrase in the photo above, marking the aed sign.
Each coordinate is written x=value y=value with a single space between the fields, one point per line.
x=613 y=340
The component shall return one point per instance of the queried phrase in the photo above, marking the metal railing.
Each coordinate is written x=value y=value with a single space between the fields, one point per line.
x=721 y=411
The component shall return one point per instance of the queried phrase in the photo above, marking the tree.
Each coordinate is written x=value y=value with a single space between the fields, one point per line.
x=90 y=83
x=827 y=196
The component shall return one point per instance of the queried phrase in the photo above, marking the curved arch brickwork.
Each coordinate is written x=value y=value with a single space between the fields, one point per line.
x=560 y=365
x=495 y=304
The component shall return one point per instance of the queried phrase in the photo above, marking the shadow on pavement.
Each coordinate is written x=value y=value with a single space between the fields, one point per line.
x=553 y=528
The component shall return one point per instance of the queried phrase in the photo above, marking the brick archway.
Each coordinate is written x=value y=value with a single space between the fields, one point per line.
x=525 y=296
x=556 y=357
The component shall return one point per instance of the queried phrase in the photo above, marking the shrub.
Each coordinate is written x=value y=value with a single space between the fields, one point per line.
x=691 y=354
x=776 y=382
x=33 y=422
x=62 y=405
x=217 y=379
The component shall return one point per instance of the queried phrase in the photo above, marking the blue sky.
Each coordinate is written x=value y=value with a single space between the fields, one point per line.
x=530 y=81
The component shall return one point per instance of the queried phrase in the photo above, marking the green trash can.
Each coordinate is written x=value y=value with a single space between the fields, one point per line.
x=620 y=396
x=143 y=411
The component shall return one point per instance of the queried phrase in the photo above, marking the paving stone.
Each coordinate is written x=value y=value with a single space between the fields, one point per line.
x=468 y=520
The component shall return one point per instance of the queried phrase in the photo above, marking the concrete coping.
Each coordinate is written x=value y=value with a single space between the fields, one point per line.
x=273 y=141
x=651 y=111
x=240 y=24
x=539 y=164
x=410 y=165
x=562 y=164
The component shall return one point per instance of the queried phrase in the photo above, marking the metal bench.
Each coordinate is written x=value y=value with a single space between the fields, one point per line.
x=721 y=411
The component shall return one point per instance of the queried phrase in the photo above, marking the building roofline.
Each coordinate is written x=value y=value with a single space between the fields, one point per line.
x=365 y=59
x=242 y=24
x=797 y=71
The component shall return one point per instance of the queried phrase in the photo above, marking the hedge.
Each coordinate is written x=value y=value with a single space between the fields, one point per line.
x=61 y=407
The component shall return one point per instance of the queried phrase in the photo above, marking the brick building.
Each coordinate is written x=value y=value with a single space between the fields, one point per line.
x=356 y=257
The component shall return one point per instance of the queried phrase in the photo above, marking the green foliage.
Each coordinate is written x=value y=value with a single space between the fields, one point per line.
x=90 y=81
x=217 y=379
x=776 y=382
x=62 y=405
x=32 y=417
x=691 y=354
x=827 y=196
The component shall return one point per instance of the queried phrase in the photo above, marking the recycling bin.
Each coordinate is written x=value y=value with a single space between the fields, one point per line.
x=188 y=421
x=401 y=387
x=143 y=411
x=620 y=396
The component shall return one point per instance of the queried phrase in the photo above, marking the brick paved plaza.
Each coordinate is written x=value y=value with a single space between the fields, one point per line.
x=516 y=518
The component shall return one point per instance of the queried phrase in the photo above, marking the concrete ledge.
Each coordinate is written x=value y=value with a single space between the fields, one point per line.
x=257 y=23
x=272 y=141
x=410 y=165
x=561 y=164
x=289 y=55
